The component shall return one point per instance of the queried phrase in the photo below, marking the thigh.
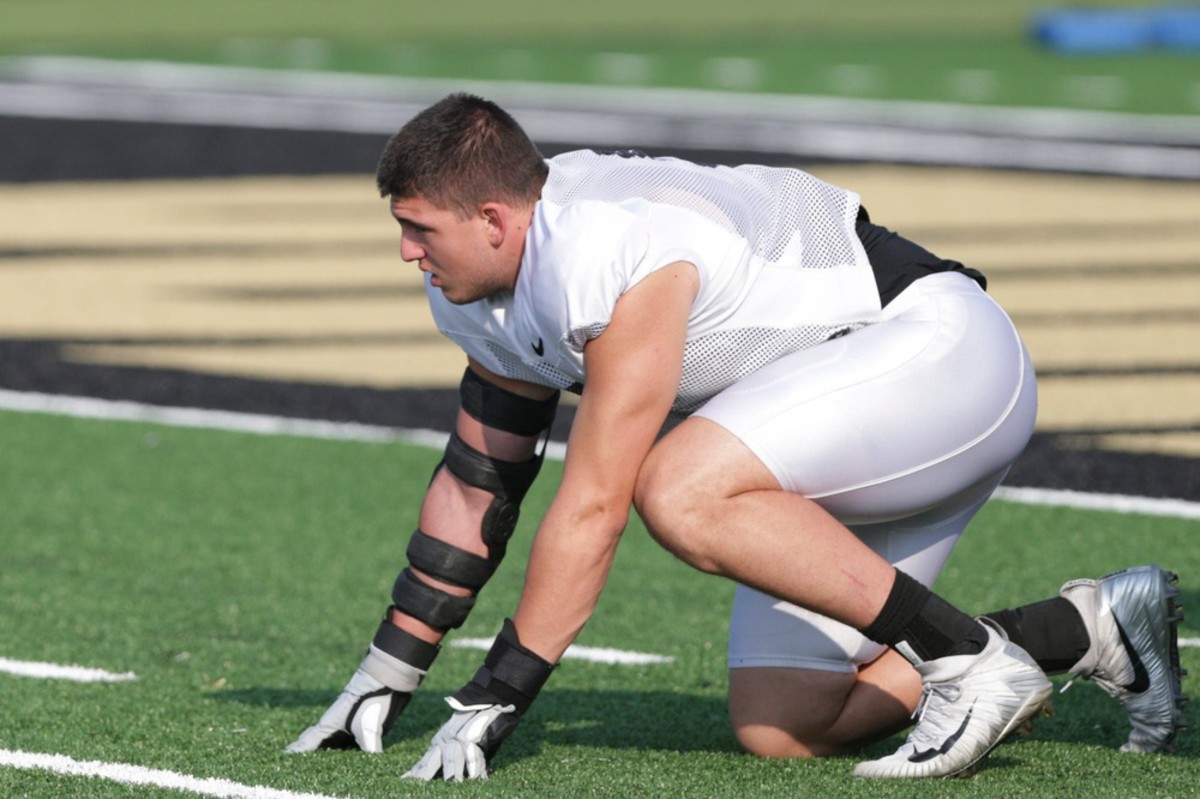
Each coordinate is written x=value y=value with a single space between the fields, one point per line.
x=765 y=632
x=803 y=685
x=898 y=417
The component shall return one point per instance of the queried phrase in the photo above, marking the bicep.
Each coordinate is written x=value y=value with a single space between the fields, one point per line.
x=633 y=372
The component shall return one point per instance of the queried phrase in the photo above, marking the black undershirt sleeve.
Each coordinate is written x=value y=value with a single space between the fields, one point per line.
x=897 y=262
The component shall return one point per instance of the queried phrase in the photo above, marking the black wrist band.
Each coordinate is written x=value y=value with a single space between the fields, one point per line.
x=510 y=675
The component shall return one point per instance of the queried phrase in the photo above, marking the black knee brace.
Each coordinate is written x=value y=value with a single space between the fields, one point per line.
x=507 y=481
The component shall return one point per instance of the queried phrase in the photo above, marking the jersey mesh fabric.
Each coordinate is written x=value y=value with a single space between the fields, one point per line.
x=728 y=356
x=788 y=217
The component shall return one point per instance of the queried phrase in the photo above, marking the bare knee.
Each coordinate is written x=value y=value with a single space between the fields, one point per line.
x=674 y=510
x=788 y=712
x=811 y=713
x=767 y=741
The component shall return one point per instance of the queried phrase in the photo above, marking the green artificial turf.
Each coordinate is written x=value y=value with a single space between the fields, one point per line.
x=240 y=577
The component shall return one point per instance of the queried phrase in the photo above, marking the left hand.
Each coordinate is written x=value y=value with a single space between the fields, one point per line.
x=461 y=748
x=486 y=711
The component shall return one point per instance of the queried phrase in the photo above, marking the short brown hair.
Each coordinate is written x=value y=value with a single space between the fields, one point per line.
x=459 y=153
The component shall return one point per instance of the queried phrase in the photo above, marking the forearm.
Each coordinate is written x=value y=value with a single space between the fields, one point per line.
x=568 y=567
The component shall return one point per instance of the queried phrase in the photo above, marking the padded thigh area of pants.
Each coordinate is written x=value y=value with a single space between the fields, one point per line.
x=766 y=632
x=897 y=417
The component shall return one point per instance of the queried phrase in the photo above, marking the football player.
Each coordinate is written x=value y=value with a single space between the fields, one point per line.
x=849 y=402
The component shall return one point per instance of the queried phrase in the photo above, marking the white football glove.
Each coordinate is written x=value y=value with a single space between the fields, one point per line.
x=461 y=748
x=366 y=708
x=486 y=711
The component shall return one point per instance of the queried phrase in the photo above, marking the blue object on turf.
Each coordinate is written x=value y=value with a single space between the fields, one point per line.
x=1177 y=27
x=1071 y=30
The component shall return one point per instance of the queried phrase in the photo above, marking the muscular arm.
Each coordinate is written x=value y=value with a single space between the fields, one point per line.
x=633 y=372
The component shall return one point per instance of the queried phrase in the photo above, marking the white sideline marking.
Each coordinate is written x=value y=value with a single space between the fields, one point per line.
x=1189 y=641
x=54 y=671
x=962 y=134
x=1150 y=506
x=114 y=410
x=231 y=421
x=589 y=653
x=140 y=775
x=89 y=408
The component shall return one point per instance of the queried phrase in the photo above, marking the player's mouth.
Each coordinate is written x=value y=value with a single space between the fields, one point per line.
x=433 y=278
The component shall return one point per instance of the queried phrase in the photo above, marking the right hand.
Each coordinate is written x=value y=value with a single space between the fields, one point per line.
x=360 y=717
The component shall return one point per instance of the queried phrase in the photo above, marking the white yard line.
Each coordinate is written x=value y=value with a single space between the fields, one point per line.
x=591 y=654
x=140 y=775
x=55 y=671
x=260 y=424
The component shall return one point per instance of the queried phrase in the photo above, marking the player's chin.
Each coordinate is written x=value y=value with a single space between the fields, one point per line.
x=459 y=296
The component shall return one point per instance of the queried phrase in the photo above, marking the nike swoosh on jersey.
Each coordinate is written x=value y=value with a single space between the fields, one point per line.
x=538 y=348
x=1141 y=678
x=921 y=755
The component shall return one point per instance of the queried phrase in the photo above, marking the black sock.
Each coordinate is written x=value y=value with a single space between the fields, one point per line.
x=922 y=626
x=1051 y=631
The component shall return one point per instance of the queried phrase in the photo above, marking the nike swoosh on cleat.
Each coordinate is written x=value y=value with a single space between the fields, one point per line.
x=1141 y=678
x=921 y=755
x=538 y=348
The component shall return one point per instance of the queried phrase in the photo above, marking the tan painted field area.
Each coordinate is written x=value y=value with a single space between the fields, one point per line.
x=300 y=279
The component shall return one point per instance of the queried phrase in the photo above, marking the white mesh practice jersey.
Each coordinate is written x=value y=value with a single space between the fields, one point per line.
x=781 y=268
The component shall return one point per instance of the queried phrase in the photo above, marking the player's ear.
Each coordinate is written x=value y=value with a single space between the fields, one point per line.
x=496 y=220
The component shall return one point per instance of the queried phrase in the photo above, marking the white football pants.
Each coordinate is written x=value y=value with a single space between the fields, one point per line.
x=901 y=430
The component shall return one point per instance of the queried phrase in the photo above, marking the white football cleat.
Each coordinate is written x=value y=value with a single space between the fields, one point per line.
x=970 y=703
x=1131 y=617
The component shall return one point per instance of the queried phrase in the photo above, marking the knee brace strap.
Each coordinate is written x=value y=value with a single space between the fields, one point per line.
x=404 y=645
x=506 y=479
x=448 y=562
x=435 y=607
x=499 y=408
x=509 y=481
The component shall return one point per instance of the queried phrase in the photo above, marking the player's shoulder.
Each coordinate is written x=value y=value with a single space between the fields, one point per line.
x=584 y=230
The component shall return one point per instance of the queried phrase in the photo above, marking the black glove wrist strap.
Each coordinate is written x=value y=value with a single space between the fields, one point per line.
x=510 y=675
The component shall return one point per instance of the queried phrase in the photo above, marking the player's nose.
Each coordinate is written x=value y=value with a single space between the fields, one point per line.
x=410 y=251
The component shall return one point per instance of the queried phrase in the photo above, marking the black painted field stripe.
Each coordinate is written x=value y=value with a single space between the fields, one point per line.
x=1054 y=232
x=1149 y=316
x=1052 y=459
x=1127 y=430
x=1155 y=370
x=1093 y=270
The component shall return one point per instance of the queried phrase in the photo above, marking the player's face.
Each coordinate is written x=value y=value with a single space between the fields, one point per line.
x=456 y=253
